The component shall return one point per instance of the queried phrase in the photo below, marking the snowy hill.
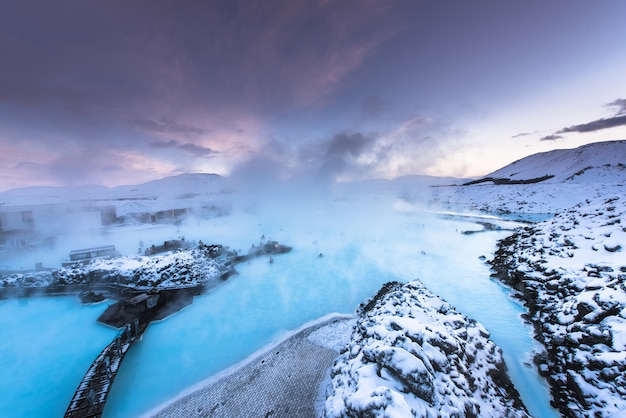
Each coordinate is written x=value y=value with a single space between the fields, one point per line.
x=568 y=177
x=570 y=272
x=601 y=161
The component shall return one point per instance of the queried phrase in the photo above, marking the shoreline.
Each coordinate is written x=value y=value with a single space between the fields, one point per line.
x=257 y=386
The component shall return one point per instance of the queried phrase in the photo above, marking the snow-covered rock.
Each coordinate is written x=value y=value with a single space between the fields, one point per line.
x=172 y=269
x=413 y=354
x=571 y=273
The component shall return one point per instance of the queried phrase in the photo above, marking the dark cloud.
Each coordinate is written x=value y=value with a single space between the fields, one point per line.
x=341 y=152
x=167 y=126
x=521 y=135
x=552 y=137
x=620 y=104
x=312 y=165
x=605 y=123
x=194 y=149
x=596 y=125
x=347 y=145
x=213 y=54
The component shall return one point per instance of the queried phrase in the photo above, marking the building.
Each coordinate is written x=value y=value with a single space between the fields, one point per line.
x=20 y=224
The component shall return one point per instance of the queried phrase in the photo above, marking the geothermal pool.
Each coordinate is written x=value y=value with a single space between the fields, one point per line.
x=47 y=344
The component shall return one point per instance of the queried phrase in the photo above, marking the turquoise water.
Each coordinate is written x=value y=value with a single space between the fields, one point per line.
x=360 y=251
x=46 y=346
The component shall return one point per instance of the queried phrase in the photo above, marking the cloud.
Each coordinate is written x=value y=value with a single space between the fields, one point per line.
x=167 y=126
x=620 y=104
x=552 y=137
x=149 y=76
x=599 y=124
x=194 y=149
x=596 y=125
x=413 y=145
x=209 y=54
x=342 y=153
x=522 y=134
x=347 y=145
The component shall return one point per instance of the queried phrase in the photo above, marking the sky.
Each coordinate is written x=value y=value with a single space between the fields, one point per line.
x=121 y=92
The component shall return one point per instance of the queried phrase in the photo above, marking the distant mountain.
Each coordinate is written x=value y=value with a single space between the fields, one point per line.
x=183 y=186
x=600 y=161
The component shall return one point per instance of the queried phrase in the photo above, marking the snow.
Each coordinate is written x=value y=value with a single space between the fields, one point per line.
x=588 y=163
x=334 y=335
x=578 y=301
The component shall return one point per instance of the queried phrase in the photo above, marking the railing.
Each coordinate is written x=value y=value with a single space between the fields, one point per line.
x=92 y=392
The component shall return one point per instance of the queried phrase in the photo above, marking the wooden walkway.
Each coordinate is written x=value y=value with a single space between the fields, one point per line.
x=93 y=390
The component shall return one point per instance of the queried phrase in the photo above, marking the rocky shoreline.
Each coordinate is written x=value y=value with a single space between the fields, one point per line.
x=570 y=273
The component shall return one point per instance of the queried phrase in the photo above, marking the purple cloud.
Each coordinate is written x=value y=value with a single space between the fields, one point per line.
x=212 y=54
x=167 y=126
x=194 y=149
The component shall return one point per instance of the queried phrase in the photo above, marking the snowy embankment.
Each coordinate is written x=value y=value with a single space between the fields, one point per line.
x=570 y=272
x=173 y=269
x=413 y=354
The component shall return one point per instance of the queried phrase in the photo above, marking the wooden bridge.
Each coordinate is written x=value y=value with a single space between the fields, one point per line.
x=93 y=390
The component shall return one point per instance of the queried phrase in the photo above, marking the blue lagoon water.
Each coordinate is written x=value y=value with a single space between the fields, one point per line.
x=46 y=346
x=266 y=301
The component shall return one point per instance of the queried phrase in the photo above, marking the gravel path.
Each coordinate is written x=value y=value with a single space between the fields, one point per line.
x=282 y=382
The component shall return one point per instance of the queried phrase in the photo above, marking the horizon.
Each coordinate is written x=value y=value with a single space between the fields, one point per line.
x=285 y=181
x=113 y=95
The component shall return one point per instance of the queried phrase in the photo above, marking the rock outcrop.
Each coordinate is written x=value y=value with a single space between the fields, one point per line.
x=413 y=354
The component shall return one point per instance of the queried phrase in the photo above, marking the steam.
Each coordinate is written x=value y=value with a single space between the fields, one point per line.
x=283 y=192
